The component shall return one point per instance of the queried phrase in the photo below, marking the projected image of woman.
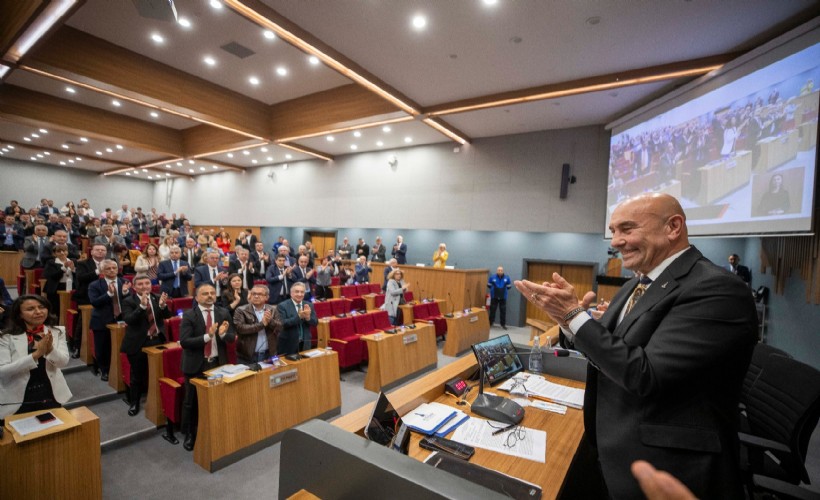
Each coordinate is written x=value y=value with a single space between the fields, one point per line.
x=730 y=134
x=776 y=200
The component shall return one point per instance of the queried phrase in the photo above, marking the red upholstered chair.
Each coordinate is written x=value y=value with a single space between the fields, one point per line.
x=144 y=240
x=172 y=328
x=362 y=289
x=155 y=289
x=364 y=324
x=125 y=373
x=21 y=284
x=408 y=296
x=172 y=390
x=375 y=288
x=183 y=303
x=438 y=320
x=334 y=281
x=128 y=277
x=339 y=306
x=34 y=286
x=71 y=318
x=379 y=301
x=381 y=320
x=231 y=348
x=349 y=291
x=323 y=309
x=260 y=282
x=345 y=341
x=420 y=312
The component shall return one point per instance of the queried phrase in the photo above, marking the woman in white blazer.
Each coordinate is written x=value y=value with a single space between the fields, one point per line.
x=394 y=294
x=32 y=352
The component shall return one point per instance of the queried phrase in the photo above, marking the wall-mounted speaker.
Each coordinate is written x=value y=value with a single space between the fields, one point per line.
x=566 y=180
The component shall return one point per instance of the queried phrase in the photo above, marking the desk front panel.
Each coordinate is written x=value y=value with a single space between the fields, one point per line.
x=10 y=267
x=465 y=330
x=466 y=287
x=391 y=359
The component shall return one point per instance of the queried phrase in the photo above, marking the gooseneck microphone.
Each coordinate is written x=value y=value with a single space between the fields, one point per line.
x=452 y=306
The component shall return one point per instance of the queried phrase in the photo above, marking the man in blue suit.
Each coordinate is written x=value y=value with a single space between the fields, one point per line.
x=211 y=272
x=400 y=250
x=174 y=274
x=304 y=274
x=297 y=315
x=279 y=278
x=106 y=296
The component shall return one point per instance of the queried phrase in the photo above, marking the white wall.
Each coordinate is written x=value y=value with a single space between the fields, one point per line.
x=508 y=183
x=28 y=182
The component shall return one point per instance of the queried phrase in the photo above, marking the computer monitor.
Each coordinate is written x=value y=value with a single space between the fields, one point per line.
x=498 y=357
x=386 y=427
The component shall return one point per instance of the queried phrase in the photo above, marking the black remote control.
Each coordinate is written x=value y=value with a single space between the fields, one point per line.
x=454 y=448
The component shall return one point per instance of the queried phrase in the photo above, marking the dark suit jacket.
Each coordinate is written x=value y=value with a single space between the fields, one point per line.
x=276 y=279
x=192 y=339
x=400 y=254
x=247 y=327
x=5 y=302
x=31 y=248
x=257 y=267
x=203 y=275
x=53 y=273
x=136 y=333
x=378 y=253
x=73 y=252
x=249 y=273
x=103 y=313
x=85 y=273
x=17 y=237
x=197 y=257
x=300 y=277
x=663 y=385
x=166 y=275
x=291 y=323
x=742 y=272
x=244 y=243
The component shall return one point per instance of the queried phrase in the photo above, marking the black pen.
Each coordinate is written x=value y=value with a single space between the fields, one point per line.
x=503 y=429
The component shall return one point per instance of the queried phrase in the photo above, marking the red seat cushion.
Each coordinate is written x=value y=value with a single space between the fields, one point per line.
x=172 y=328
x=375 y=288
x=381 y=320
x=349 y=291
x=364 y=324
x=323 y=309
x=362 y=290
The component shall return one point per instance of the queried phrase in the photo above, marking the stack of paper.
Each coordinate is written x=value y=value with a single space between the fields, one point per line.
x=540 y=387
x=478 y=433
x=429 y=418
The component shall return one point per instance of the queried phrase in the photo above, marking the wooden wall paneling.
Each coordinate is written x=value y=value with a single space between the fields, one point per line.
x=539 y=273
x=580 y=275
x=10 y=267
x=34 y=108
x=89 y=60
x=15 y=17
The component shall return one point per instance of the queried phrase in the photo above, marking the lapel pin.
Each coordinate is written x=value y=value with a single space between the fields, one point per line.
x=664 y=285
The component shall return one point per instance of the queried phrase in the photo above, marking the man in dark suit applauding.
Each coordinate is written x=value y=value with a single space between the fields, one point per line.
x=279 y=280
x=203 y=334
x=297 y=317
x=35 y=248
x=400 y=250
x=742 y=272
x=243 y=267
x=211 y=272
x=145 y=315
x=667 y=358
x=174 y=275
x=107 y=296
x=260 y=260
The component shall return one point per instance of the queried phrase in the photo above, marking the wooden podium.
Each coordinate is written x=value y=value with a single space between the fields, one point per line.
x=464 y=330
x=393 y=358
x=462 y=288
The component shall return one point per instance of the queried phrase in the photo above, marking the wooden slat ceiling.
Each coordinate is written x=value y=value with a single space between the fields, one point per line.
x=226 y=120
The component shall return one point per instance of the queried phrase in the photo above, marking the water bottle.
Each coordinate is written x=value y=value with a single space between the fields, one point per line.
x=535 y=356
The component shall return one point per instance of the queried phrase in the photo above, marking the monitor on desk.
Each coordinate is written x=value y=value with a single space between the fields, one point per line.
x=386 y=427
x=499 y=358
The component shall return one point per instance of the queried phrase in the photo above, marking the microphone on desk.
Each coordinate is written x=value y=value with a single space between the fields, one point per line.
x=452 y=306
x=494 y=407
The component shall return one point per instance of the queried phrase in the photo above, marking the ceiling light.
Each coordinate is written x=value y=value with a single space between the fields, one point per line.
x=109 y=150
x=36 y=136
x=167 y=174
x=65 y=146
x=116 y=103
x=77 y=158
x=214 y=167
x=263 y=149
x=191 y=170
x=354 y=147
x=43 y=131
x=270 y=35
x=313 y=60
x=179 y=164
x=10 y=146
x=254 y=162
x=408 y=140
x=202 y=169
x=230 y=155
x=357 y=134
x=282 y=71
x=270 y=158
x=128 y=174
x=490 y=2
x=39 y=155
x=330 y=138
x=288 y=156
x=83 y=139
x=99 y=153
x=386 y=129
x=48 y=17
x=216 y=4
x=184 y=22
x=190 y=162
x=210 y=61
x=253 y=80
x=419 y=22
x=168 y=166
x=154 y=114
x=246 y=152
x=70 y=161
x=46 y=153
x=145 y=170
x=27 y=139
x=62 y=163
x=150 y=177
x=34 y=158
x=119 y=146
x=135 y=172
x=156 y=37
x=70 y=90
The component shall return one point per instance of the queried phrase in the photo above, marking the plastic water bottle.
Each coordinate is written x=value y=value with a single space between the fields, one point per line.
x=535 y=356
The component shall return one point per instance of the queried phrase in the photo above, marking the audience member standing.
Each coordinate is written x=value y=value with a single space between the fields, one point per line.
x=107 y=296
x=400 y=250
x=257 y=327
x=498 y=285
x=297 y=316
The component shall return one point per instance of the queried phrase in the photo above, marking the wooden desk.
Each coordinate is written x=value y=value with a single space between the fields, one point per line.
x=408 y=316
x=393 y=358
x=64 y=465
x=563 y=431
x=153 y=404
x=774 y=151
x=86 y=352
x=65 y=305
x=467 y=287
x=10 y=267
x=117 y=332
x=370 y=302
x=242 y=417
x=465 y=330
x=808 y=136
x=336 y=290
x=719 y=178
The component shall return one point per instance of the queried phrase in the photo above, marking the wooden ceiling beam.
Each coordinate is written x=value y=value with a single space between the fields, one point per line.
x=64 y=152
x=31 y=108
x=15 y=17
x=690 y=68
x=204 y=140
x=73 y=55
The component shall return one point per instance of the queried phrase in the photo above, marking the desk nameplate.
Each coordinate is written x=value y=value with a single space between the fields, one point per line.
x=282 y=378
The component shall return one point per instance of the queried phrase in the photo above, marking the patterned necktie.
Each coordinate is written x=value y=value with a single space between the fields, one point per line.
x=152 y=320
x=208 y=323
x=643 y=284
x=176 y=273
x=116 y=301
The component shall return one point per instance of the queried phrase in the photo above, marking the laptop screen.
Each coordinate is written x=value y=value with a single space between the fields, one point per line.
x=498 y=358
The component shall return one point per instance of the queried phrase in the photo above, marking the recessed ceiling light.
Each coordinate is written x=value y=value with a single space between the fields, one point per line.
x=254 y=162
x=98 y=153
x=150 y=177
x=246 y=152
x=216 y=4
x=10 y=146
x=109 y=150
x=116 y=103
x=282 y=71
x=46 y=153
x=330 y=138
x=184 y=22
x=135 y=172
x=77 y=158
x=168 y=166
x=70 y=90
x=65 y=146
x=419 y=22
x=210 y=61
x=269 y=158
x=43 y=131
x=190 y=162
x=263 y=149
x=214 y=167
x=179 y=164
x=408 y=139
x=354 y=147
x=34 y=158
x=156 y=37
x=490 y=2
x=167 y=174
x=145 y=170
x=39 y=155
x=119 y=146
x=83 y=139
x=313 y=60
x=70 y=161
x=27 y=139
x=230 y=155
x=62 y=163
x=36 y=136
x=288 y=156
x=386 y=129
x=202 y=169
x=154 y=114
x=357 y=134
x=128 y=174
x=253 y=80
x=270 y=35
x=191 y=170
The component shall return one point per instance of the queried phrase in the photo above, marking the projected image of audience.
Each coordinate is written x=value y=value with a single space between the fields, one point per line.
x=719 y=148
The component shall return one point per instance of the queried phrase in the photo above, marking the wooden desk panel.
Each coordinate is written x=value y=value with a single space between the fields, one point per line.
x=390 y=359
x=115 y=370
x=235 y=418
x=10 y=267
x=564 y=432
x=467 y=287
x=86 y=352
x=465 y=330
x=153 y=404
x=720 y=178
x=808 y=137
x=65 y=305
x=64 y=465
x=774 y=151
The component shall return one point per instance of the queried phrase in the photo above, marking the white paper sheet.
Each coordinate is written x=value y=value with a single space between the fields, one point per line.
x=541 y=387
x=478 y=433
x=26 y=426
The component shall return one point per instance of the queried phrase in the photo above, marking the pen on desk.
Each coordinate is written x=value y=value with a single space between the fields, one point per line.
x=503 y=429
